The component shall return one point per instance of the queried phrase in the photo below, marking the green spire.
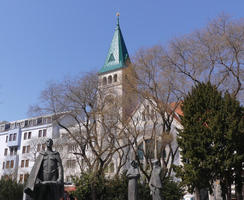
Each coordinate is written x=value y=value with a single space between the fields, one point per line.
x=117 y=54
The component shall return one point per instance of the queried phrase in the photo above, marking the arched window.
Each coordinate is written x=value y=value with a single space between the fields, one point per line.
x=104 y=81
x=110 y=79
x=115 y=77
x=140 y=151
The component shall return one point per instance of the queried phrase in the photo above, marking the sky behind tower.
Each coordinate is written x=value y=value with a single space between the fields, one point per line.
x=47 y=40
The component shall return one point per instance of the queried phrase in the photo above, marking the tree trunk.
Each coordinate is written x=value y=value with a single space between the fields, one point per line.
x=239 y=193
x=229 y=192
x=238 y=184
x=204 y=194
x=197 y=194
x=93 y=192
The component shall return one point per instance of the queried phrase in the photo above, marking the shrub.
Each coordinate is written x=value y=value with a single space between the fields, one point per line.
x=10 y=190
x=117 y=188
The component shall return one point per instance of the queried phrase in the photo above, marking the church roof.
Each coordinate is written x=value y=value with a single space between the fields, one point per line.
x=117 y=54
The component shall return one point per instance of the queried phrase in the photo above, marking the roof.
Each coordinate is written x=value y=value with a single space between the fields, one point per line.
x=174 y=106
x=117 y=56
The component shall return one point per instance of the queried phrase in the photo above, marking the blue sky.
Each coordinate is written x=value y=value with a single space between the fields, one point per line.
x=47 y=40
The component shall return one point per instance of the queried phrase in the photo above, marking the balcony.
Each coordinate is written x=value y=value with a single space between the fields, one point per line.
x=14 y=137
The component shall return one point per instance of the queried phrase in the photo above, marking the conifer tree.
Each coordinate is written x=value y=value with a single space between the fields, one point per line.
x=211 y=141
x=196 y=137
x=228 y=129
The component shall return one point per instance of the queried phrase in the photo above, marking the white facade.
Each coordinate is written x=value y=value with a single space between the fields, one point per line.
x=20 y=143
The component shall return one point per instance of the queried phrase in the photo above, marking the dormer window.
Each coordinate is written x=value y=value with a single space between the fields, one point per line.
x=104 y=81
x=110 y=79
x=111 y=58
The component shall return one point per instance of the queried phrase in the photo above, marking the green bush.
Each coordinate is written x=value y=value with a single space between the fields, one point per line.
x=172 y=190
x=10 y=190
x=117 y=188
x=85 y=183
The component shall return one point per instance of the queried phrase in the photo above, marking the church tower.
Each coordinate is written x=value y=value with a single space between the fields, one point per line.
x=113 y=76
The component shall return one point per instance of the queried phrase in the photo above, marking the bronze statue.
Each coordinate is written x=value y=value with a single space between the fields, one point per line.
x=155 y=181
x=46 y=177
x=133 y=175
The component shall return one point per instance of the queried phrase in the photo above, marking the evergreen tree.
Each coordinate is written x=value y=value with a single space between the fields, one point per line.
x=196 y=137
x=228 y=129
x=211 y=141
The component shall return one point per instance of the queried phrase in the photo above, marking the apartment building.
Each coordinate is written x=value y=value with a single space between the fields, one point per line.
x=20 y=142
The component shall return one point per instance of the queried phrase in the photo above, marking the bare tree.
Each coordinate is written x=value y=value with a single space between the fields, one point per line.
x=159 y=90
x=91 y=121
x=214 y=54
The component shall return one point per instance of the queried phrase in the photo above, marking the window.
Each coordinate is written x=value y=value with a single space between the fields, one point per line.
x=22 y=163
x=72 y=148
x=110 y=79
x=14 y=136
x=29 y=135
x=38 y=147
x=150 y=148
x=10 y=137
x=11 y=164
x=30 y=122
x=6 y=152
x=147 y=149
x=3 y=165
x=20 y=178
x=43 y=147
x=26 y=177
x=140 y=151
x=22 y=124
x=49 y=119
x=11 y=151
x=39 y=120
x=44 y=132
x=143 y=116
x=35 y=122
x=115 y=77
x=23 y=149
x=6 y=138
x=104 y=81
x=68 y=178
x=111 y=58
x=15 y=151
x=13 y=125
x=71 y=163
x=40 y=133
x=7 y=126
x=28 y=149
x=7 y=164
x=25 y=135
x=27 y=163
x=147 y=109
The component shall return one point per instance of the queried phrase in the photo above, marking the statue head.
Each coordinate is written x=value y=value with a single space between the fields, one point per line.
x=134 y=163
x=156 y=162
x=49 y=143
